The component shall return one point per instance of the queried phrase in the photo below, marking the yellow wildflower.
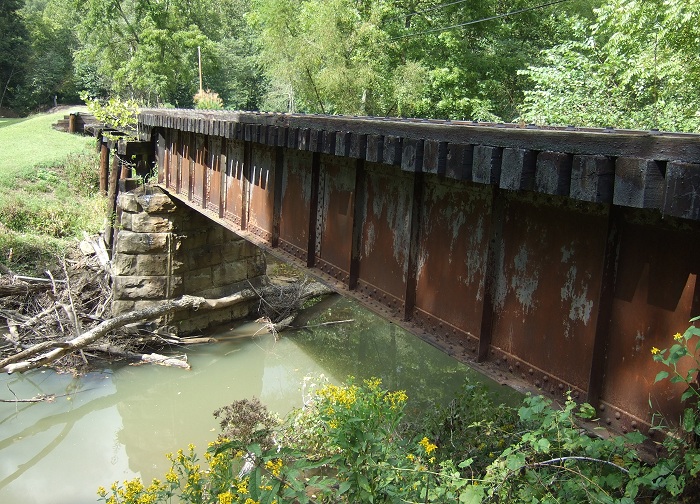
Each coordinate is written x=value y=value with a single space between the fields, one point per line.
x=373 y=383
x=411 y=457
x=678 y=336
x=395 y=399
x=251 y=501
x=133 y=488
x=226 y=498
x=242 y=487
x=274 y=466
x=427 y=445
x=342 y=396
x=654 y=350
x=170 y=476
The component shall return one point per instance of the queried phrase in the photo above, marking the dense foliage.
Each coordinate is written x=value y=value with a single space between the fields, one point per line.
x=351 y=443
x=622 y=63
x=635 y=66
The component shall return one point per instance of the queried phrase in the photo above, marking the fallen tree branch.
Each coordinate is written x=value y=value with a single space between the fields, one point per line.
x=30 y=358
x=35 y=399
x=322 y=324
x=578 y=458
x=36 y=318
x=153 y=358
x=11 y=364
x=38 y=280
x=46 y=352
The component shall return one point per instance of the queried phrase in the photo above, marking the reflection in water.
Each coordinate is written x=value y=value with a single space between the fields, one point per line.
x=120 y=423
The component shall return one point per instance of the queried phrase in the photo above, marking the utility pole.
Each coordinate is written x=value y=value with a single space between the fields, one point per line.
x=199 y=56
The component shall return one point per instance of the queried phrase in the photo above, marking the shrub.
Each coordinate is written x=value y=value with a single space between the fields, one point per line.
x=208 y=100
x=471 y=426
x=348 y=444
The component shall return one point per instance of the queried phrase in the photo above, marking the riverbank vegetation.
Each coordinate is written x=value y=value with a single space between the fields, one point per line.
x=48 y=193
x=619 y=63
x=355 y=443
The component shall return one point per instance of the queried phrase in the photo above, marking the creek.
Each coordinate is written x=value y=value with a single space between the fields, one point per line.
x=118 y=423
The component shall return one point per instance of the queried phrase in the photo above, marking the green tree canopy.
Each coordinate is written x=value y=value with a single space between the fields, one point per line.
x=621 y=63
x=149 y=50
x=405 y=57
x=635 y=66
x=14 y=47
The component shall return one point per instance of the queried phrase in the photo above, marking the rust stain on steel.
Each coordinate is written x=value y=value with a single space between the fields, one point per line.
x=214 y=198
x=296 y=198
x=233 y=206
x=186 y=165
x=172 y=168
x=338 y=176
x=200 y=170
x=452 y=253
x=548 y=279
x=656 y=294
x=386 y=233
x=262 y=195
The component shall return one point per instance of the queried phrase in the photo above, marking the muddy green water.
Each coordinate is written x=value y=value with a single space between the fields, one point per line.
x=119 y=423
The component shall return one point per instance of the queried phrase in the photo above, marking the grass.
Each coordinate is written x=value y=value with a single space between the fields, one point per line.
x=4 y=121
x=48 y=191
x=27 y=143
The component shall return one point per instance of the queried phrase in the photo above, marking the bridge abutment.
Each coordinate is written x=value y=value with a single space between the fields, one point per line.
x=164 y=249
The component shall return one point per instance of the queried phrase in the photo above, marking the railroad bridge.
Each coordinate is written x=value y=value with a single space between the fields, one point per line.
x=555 y=256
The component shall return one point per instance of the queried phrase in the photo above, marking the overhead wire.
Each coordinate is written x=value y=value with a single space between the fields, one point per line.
x=476 y=21
x=436 y=7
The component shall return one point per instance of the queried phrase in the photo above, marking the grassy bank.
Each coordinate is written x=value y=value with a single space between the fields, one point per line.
x=48 y=191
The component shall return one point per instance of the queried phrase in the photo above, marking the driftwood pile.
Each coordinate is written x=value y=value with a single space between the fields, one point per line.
x=65 y=320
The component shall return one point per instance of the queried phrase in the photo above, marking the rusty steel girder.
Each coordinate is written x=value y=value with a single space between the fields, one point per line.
x=554 y=257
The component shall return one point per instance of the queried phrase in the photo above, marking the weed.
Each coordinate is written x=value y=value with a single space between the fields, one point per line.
x=48 y=192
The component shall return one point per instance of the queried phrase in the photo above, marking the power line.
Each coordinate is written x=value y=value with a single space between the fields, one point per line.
x=476 y=21
x=417 y=13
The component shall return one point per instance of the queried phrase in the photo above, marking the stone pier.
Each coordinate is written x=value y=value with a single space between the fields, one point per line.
x=164 y=250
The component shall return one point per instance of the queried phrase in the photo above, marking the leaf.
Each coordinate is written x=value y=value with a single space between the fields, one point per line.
x=688 y=394
x=344 y=487
x=472 y=495
x=689 y=420
x=465 y=463
x=543 y=445
x=674 y=485
x=255 y=449
x=363 y=483
x=254 y=484
x=515 y=462
x=635 y=437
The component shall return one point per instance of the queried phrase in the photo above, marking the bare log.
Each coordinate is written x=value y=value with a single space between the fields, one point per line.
x=152 y=358
x=197 y=340
x=22 y=289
